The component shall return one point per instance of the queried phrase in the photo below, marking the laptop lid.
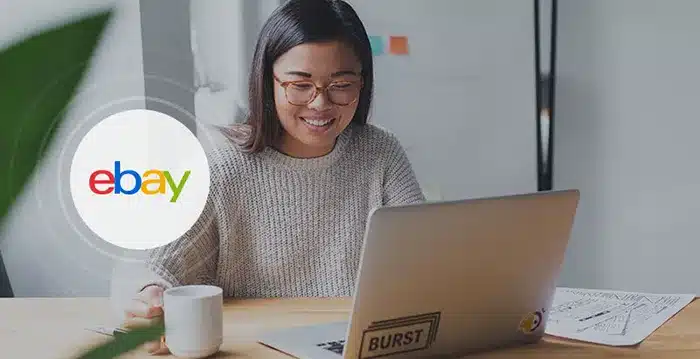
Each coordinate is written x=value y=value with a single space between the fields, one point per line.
x=448 y=278
x=452 y=278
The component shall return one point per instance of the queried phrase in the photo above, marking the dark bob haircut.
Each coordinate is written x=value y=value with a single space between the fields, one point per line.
x=293 y=23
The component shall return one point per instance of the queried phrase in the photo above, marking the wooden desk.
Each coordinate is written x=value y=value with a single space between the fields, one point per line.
x=53 y=328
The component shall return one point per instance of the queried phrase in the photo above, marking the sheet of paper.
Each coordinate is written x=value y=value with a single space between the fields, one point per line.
x=611 y=317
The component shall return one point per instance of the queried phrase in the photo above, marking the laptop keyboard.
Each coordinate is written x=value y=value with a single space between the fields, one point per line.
x=334 y=346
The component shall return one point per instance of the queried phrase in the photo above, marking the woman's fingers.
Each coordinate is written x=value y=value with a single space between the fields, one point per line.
x=137 y=308
x=142 y=315
x=151 y=295
x=147 y=304
x=140 y=309
x=144 y=310
x=153 y=312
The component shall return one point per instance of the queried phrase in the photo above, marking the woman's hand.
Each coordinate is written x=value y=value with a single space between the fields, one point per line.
x=145 y=309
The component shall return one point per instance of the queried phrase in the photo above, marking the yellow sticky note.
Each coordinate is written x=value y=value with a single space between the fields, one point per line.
x=398 y=45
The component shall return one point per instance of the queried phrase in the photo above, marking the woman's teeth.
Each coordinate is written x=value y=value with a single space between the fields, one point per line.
x=318 y=123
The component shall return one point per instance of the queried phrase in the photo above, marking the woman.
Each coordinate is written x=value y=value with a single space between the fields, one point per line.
x=292 y=187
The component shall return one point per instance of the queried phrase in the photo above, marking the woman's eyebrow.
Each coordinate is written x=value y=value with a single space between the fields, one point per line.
x=299 y=73
x=344 y=72
x=335 y=74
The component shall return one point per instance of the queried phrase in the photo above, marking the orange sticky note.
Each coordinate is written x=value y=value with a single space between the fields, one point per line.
x=398 y=45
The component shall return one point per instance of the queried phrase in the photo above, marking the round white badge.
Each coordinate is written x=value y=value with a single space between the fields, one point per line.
x=139 y=179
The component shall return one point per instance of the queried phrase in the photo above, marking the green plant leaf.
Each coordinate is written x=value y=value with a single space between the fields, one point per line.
x=125 y=342
x=38 y=78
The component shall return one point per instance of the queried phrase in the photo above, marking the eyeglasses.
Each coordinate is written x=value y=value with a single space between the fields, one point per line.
x=303 y=92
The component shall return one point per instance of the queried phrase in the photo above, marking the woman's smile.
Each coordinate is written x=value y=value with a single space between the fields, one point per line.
x=318 y=122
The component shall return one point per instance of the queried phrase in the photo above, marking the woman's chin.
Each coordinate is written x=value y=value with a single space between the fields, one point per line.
x=315 y=140
x=317 y=145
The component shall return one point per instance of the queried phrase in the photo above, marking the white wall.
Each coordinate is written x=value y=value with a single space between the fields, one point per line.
x=41 y=240
x=223 y=36
x=463 y=101
x=167 y=59
x=626 y=134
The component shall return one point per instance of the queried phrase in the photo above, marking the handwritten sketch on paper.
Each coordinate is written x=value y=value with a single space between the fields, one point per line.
x=611 y=317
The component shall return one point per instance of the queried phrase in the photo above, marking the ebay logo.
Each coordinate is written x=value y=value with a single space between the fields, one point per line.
x=143 y=192
x=152 y=182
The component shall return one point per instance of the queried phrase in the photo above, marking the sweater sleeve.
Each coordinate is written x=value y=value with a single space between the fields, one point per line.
x=191 y=259
x=401 y=185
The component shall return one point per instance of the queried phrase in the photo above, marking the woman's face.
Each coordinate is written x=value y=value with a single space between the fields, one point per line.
x=311 y=123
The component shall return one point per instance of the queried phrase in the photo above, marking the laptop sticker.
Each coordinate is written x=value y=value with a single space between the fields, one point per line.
x=399 y=335
x=531 y=321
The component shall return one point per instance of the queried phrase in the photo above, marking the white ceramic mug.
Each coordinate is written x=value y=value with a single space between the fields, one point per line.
x=193 y=318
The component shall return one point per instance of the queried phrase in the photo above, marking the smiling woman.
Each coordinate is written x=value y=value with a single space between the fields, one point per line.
x=293 y=184
x=314 y=62
x=311 y=122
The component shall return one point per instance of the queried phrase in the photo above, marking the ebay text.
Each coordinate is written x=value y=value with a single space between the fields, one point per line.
x=152 y=182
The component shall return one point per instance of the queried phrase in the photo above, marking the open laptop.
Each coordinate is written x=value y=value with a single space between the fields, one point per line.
x=447 y=279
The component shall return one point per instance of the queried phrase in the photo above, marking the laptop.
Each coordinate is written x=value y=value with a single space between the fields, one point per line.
x=445 y=279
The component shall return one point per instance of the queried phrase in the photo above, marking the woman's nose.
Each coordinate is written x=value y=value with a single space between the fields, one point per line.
x=320 y=102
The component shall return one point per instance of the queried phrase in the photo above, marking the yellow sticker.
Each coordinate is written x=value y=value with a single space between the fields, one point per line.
x=531 y=321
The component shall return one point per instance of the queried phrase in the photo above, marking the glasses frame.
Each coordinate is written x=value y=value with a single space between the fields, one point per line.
x=317 y=91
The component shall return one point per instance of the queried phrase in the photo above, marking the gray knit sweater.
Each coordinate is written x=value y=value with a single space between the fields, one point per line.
x=277 y=226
